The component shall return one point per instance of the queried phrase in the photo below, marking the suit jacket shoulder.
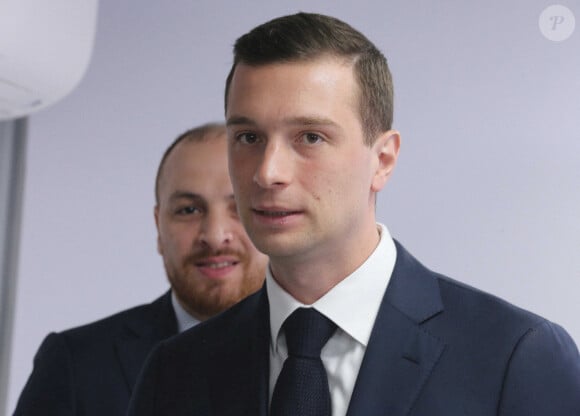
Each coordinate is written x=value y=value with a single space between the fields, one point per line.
x=533 y=363
x=460 y=350
x=91 y=369
x=219 y=367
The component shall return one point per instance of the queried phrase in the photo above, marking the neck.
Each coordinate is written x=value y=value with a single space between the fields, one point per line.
x=309 y=277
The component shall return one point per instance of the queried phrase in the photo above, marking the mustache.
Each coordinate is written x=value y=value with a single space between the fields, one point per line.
x=204 y=253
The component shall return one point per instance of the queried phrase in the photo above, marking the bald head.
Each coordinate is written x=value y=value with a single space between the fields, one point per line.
x=209 y=131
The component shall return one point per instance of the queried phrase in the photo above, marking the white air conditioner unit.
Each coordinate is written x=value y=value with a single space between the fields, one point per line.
x=45 y=48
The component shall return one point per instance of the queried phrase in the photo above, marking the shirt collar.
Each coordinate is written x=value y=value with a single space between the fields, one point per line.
x=184 y=319
x=352 y=304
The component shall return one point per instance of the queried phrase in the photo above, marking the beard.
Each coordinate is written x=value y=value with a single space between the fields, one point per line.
x=202 y=297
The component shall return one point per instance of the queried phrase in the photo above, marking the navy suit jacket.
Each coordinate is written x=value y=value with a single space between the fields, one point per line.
x=438 y=348
x=91 y=370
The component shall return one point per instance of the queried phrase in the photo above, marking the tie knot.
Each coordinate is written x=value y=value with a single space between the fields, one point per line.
x=307 y=331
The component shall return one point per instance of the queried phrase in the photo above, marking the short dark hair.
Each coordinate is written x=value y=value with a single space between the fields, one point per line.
x=196 y=134
x=304 y=36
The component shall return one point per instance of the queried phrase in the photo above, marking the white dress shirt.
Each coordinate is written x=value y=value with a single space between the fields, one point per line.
x=352 y=305
x=184 y=319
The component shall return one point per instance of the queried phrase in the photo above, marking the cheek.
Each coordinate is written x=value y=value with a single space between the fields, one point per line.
x=238 y=165
x=243 y=238
x=178 y=238
x=246 y=243
x=330 y=182
x=243 y=164
x=359 y=178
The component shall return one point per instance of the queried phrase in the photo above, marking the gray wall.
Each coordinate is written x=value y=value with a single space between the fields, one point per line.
x=486 y=190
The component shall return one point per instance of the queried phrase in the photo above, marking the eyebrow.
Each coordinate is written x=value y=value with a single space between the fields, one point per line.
x=300 y=121
x=184 y=195
x=193 y=196
x=237 y=120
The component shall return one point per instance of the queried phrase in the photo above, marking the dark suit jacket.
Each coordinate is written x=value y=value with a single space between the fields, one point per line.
x=438 y=348
x=91 y=370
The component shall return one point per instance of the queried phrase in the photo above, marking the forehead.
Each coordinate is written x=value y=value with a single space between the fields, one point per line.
x=197 y=167
x=324 y=83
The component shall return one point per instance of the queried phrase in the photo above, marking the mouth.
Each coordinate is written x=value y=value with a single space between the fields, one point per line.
x=274 y=214
x=215 y=267
x=277 y=217
x=274 y=211
x=216 y=263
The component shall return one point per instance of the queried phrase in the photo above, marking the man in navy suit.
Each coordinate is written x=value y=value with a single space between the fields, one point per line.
x=210 y=263
x=310 y=142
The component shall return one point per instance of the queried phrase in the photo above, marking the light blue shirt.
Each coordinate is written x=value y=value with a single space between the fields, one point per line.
x=184 y=319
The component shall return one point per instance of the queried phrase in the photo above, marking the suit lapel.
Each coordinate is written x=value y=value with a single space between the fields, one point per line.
x=400 y=355
x=141 y=333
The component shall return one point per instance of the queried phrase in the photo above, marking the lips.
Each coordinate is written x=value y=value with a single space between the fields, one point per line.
x=219 y=265
x=216 y=262
x=276 y=217
x=274 y=214
x=274 y=210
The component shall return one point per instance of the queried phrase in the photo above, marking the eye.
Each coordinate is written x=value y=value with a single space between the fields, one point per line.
x=247 y=138
x=311 y=138
x=188 y=210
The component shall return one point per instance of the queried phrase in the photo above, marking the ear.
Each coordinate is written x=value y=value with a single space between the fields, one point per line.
x=386 y=147
x=156 y=215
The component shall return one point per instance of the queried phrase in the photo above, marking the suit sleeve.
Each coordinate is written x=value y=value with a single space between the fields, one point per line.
x=49 y=389
x=543 y=376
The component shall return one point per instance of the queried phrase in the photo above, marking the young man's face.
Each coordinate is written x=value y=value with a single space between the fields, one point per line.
x=209 y=259
x=304 y=179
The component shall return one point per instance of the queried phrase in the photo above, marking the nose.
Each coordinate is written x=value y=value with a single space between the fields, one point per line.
x=273 y=171
x=215 y=231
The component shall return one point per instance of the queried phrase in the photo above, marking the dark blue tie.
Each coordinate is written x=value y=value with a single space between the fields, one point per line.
x=302 y=386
